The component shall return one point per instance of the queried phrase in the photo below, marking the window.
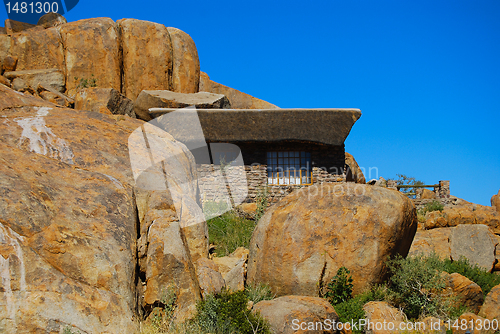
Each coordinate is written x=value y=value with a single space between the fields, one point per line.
x=289 y=167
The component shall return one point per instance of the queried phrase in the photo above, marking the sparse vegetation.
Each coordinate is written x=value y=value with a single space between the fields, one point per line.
x=86 y=83
x=433 y=206
x=480 y=276
x=259 y=292
x=262 y=202
x=403 y=180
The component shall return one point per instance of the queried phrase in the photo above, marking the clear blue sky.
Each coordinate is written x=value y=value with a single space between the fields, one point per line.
x=425 y=74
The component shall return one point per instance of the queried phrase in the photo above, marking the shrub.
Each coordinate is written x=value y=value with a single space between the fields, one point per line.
x=262 y=201
x=433 y=206
x=480 y=276
x=339 y=289
x=227 y=313
x=85 y=83
x=419 y=287
x=229 y=231
x=259 y=292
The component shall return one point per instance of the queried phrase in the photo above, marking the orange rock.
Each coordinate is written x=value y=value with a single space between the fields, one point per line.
x=298 y=314
x=427 y=194
x=474 y=323
x=186 y=65
x=41 y=49
x=468 y=292
x=91 y=47
x=432 y=241
x=104 y=100
x=147 y=57
x=306 y=237
x=491 y=306
x=383 y=318
x=495 y=201
x=354 y=173
x=464 y=214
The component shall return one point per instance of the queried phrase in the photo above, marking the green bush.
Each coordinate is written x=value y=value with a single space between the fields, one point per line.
x=352 y=309
x=259 y=292
x=227 y=313
x=229 y=231
x=433 y=206
x=419 y=287
x=262 y=201
x=339 y=289
x=476 y=274
x=86 y=83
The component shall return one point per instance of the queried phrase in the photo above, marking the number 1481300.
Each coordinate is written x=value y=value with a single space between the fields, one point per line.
x=31 y=8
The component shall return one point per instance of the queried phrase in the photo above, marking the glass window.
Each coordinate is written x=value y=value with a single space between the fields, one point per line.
x=292 y=167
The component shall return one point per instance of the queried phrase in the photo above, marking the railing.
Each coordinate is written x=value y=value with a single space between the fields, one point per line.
x=442 y=189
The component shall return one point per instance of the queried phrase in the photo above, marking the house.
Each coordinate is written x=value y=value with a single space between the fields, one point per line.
x=279 y=148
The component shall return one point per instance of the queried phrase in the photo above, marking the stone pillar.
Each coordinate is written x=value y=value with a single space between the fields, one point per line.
x=418 y=192
x=444 y=189
x=392 y=184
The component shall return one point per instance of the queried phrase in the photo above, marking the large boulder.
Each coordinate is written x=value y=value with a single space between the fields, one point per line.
x=435 y=241
x=41 y=49
x=51 y=20
x=238 y=100
x=495 y=201
x=168 y=99
x=68 y=219
x=466 y=213
x=468 y=293
x=384 y=319
x=104 y=100
x=475 y=243
x=491 y=305
x=147 y=56
x=354 y=173
x=91 y=49
x=186 y=65
x=298 y=314
x=301 y=242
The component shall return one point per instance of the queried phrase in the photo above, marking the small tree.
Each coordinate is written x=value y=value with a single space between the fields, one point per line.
x=404 y=180
x=339 y=289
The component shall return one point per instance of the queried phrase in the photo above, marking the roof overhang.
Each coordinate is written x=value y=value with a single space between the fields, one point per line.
x=325 y=126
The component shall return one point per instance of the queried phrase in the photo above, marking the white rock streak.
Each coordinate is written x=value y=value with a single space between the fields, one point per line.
x=41 y=138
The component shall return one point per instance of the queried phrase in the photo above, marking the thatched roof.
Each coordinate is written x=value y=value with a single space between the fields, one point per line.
x=326 y=126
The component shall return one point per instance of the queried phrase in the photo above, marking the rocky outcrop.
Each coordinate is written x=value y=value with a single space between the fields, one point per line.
x=354 y=173
x=51 y=20
x=91 y=48
x=468 y=293
x=298 y=314
x=495 y=201
x=147 y=61
x=467 y=213
x=13 y=26
x=238 y=100
x=301 y=242
x=379 y=313
x=427 y=194
x=167 y=99
x=435 y=241
x=471 y=319
x=234 y=268
x=491 y=306
x=474 y=242
x=104 y=100
x=186 y=65
x=209 y=277
x=68 y=222
x=30 y=79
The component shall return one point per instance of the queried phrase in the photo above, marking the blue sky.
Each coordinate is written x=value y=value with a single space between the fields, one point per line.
x=426 y=74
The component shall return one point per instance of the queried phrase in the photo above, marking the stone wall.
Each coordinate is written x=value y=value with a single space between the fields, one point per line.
x=441 y=193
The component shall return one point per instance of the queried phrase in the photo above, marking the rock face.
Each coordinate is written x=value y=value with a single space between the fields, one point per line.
x=464 y=214
x=354 y=173
x=147 y=61
x=301 y=242
x=209 y=277
x=167 y=99
x=474 y=242
x=297 y=314
x=427 y=194
x=435 y=241
x=68 y=224
x=23 y=80
x=495 y=201
x=186 y=65
x=380 y=313
x=102 y=59
x=104 y=100
x=51 y=20
x=491 y=306
x=238 y=100
x=471 y=318
x=468 y=292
